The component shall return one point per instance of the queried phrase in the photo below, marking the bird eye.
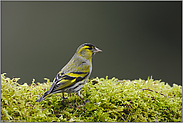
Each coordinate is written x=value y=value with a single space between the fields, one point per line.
x=90 y=48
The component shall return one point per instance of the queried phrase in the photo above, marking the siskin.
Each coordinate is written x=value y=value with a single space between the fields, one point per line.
x=74 y=74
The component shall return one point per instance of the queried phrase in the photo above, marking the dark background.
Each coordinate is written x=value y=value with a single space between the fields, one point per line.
x=138 y=39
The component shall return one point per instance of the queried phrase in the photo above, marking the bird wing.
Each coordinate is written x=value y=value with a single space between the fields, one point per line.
x=64 y=80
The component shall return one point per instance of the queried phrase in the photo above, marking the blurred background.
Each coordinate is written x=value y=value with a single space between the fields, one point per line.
x=138 y=39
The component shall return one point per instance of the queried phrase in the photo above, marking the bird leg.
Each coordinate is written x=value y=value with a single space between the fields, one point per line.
x=63 y=97
x=84 y=102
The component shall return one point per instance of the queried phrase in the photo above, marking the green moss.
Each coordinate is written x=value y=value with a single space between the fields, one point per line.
x=110 y=100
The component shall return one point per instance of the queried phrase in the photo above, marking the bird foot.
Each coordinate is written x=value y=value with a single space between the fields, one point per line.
x=85 y=101
x=63 y=99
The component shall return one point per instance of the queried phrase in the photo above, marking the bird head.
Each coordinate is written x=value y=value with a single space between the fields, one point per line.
x=87 y=50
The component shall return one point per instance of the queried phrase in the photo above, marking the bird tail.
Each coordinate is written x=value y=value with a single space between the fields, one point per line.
x=43 y=97
x=47 y=93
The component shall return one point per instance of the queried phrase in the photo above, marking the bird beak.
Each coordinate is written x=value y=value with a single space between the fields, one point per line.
x=97 y=50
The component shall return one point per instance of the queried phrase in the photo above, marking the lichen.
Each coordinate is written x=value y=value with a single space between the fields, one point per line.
x=110 y=100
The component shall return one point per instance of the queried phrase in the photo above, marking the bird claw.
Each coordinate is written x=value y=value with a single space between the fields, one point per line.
x=63 y=99
x=85 y=101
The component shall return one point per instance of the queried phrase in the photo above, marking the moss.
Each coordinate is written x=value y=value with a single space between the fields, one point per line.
x=110 y=100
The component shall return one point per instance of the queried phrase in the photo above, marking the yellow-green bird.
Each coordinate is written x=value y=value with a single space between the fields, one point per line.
x=74 y=74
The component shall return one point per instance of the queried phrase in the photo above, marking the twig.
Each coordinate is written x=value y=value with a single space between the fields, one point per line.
x=122 y=118
x=153 y=91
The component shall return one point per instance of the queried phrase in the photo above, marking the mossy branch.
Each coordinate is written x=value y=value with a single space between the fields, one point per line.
x=110 y=100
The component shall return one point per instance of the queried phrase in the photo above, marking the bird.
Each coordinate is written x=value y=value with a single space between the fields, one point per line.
x=72 y=77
